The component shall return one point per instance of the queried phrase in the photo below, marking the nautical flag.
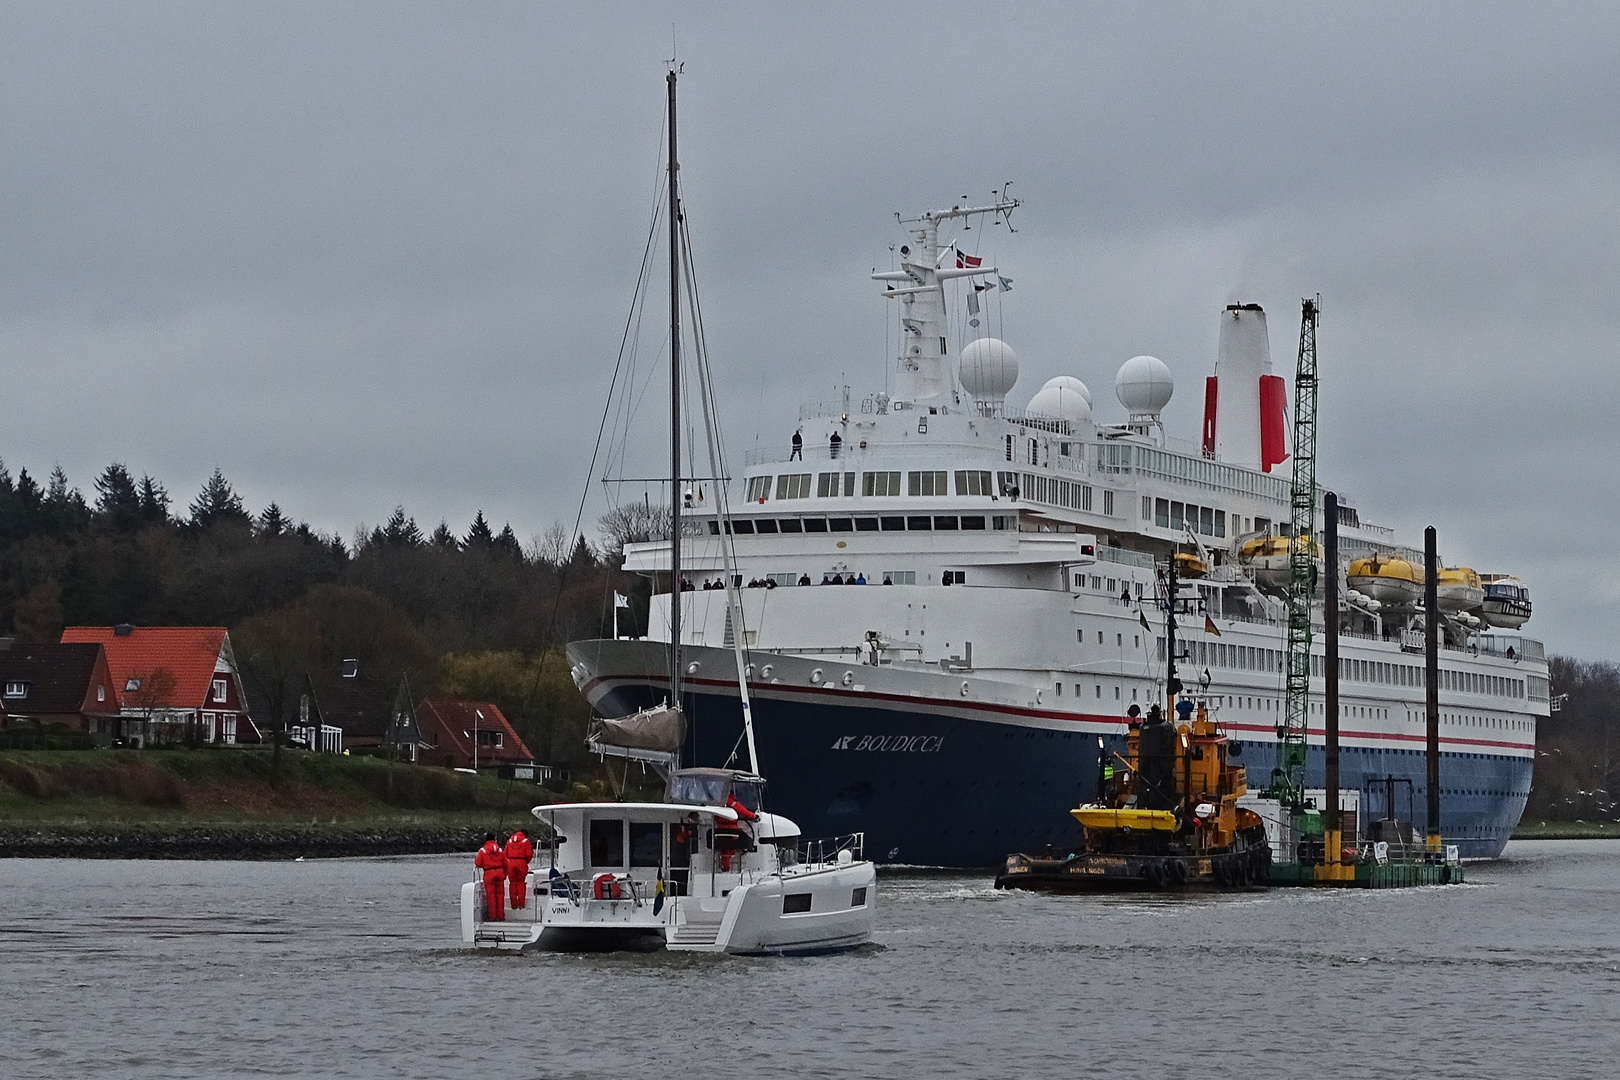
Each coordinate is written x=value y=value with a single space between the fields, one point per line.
x=1006 y=283
x=973 y=302
x=658 y=895
x=966 y=262
x=1210 y=627
x=621 y=600
x=1142 y=617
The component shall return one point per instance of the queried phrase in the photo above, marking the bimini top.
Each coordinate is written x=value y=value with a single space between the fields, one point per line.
x=660 y=811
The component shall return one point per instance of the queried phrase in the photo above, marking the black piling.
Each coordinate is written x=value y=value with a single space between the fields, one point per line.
x=1330 y=671
x=1431 y=678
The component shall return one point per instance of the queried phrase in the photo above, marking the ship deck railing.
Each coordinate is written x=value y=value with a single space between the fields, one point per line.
x=822 y=851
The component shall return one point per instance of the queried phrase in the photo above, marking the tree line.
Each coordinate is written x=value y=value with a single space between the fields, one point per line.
x=477 y=614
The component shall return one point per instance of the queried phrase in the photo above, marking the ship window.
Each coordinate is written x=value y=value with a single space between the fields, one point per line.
x=765 y=525
x=1220 y=523
x=815 y=525
x=866 y=524
x=1161 y=513
x=893 y=524
x=714 y=528
x=607 y=842
x=919 y=523
x=646 y=843
x=1206 y=520
x=1057 y=689
x=840 y=525
x=973 y=482
x=759 y=488
x=1001 y=521
x=793 y=486
x=880 y=483
x=741 y=528
x=795 y=903
x=857 y=897
x=849 y=485
x=1009 y=447
x=827 y=485
x=789 y=525
x=900 y=577
x=975 y=522
x=927 y=482
x=944 y=523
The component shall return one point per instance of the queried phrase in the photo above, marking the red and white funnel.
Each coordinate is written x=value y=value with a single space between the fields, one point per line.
x=1244 y=403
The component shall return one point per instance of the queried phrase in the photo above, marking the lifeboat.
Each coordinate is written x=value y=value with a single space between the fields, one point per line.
x=1457 y=589
x=1190 y=567
x=1506 y=603
x=1394 y=583
x=1269 y=558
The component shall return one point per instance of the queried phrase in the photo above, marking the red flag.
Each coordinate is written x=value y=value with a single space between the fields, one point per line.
x=966 y=262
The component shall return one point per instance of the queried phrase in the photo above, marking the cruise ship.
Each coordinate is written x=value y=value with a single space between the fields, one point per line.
x=949 y=604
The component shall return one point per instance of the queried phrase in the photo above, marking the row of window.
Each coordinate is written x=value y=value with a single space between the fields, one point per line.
x=1249 y=658
x=896 y=523
x=878 y=484
x=18 y=688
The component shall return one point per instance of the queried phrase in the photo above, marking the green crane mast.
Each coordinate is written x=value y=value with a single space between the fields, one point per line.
x=1288 y=778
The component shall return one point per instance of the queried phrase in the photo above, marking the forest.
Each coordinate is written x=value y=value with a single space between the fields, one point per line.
x=477 y=614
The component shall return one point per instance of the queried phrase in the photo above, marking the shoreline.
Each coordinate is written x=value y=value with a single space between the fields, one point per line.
x=252 y=841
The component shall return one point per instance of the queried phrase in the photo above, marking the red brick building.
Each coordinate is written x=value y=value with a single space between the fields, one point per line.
x=174 y=683
x=469 y=734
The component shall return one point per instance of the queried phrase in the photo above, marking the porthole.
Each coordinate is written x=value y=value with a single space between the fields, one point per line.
x=964 y=688
x=765 y=672
x=692 y=668
x=815 y=676
x=849 y=677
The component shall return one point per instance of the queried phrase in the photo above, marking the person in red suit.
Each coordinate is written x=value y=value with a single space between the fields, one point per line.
x=493 y=863
x=518 y=853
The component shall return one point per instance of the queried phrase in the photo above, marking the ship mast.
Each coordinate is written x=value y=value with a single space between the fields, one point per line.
x=675 y=598
x=925 y=368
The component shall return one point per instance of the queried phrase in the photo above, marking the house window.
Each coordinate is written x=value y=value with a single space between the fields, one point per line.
x=495 y=739
x=351 y=669
x=227 y=725
x=101 y=693
x=16 y=688
x=131 y=685
x=219 y=690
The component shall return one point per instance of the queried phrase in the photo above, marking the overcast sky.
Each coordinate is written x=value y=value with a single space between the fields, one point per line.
x=358 y=255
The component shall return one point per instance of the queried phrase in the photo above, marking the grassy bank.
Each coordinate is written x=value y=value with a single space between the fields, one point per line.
x=1566 y=830
x=246 y=803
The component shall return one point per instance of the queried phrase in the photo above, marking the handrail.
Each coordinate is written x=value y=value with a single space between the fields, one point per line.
x=815 y=852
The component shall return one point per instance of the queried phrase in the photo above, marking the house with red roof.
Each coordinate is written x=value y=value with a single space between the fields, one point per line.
x=55 y=685
x=469 y=735
x=174 y=683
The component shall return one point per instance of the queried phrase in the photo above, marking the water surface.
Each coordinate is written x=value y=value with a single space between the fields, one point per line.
x=352 y=968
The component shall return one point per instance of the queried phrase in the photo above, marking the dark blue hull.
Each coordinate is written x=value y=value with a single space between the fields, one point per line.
x=947 y=789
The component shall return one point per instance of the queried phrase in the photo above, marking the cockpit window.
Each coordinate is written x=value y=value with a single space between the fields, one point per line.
x=698 y=790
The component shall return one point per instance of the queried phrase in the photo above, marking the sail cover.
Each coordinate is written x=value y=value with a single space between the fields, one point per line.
x=662 y=728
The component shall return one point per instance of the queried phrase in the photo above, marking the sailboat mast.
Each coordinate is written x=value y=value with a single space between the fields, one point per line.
x=674 y=411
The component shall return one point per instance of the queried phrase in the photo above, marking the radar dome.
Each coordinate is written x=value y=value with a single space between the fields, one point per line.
x=1072 y=383
x=989 y=368
x=1064 y=398
x=1144 y=385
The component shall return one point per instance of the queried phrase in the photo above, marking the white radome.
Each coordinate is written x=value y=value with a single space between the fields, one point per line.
x=1061 y=400
x=989 y=369
x=1144 y=385
x=1071 y=383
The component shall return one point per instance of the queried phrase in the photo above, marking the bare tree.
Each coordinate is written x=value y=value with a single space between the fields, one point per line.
x=632 y=523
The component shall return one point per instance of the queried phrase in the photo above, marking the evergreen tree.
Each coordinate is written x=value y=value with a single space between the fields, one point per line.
x=479 y=537
x=118 y=502
x=154 y=502
x=217 y=504
x=443 y=538
x=400 y=531
x=583 y=557
x=273 y=523
x=65 y=509
x=507 y=544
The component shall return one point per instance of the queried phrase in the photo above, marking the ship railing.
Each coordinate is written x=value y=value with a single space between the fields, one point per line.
x=823 y=851
x=1124 y=557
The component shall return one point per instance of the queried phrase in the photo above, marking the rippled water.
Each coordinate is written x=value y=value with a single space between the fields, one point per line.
x=351 y=968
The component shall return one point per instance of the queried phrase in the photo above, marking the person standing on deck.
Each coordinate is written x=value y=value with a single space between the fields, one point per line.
x=493 y=863
x=798 y=447
x=518 y=853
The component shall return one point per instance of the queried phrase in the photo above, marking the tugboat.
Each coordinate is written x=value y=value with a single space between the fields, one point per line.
x=1166 y=818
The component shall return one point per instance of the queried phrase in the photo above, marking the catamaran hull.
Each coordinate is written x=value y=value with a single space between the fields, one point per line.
x=942 y=783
